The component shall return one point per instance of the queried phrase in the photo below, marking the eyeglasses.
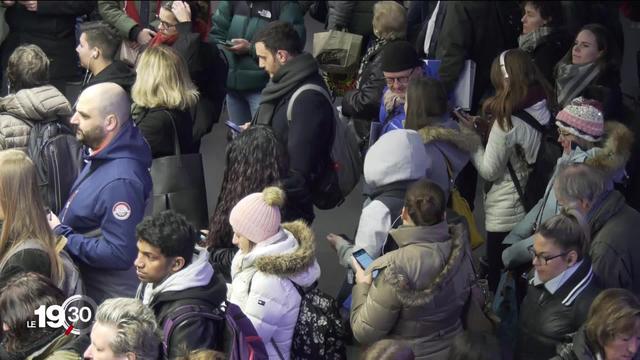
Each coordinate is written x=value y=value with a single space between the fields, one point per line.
x=404 y=80
x=544 y=260
x=564 y=133
x=165 y=24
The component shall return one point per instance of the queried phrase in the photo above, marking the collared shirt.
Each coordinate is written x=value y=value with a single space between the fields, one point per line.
x=554 y=284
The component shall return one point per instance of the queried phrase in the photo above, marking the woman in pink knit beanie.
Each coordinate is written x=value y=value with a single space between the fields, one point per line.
x=273 y=259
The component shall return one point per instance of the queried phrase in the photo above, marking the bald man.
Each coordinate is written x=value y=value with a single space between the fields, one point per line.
x=108 y=198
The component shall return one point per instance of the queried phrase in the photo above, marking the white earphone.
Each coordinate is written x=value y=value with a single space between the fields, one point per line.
x=503 y=67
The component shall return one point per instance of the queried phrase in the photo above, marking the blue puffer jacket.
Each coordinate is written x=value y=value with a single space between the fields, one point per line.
x=107 y=201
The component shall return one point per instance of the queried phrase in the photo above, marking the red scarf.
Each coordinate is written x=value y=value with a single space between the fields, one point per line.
x=162 y=39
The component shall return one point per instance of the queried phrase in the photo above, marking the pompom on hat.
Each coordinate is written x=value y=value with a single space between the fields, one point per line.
x=257 y=215
x=582 y=118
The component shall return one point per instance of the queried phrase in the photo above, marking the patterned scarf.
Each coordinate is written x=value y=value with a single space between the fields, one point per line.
x=529 y=42
x=373 y=49
x=572 y=79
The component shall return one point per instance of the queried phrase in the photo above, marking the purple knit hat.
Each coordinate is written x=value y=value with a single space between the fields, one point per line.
x=582 y=118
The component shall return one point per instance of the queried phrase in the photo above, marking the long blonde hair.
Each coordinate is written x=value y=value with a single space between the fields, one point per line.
x=23 y=209
x=163 y=80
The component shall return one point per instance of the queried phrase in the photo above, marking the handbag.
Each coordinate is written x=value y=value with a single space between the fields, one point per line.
x=460 y=205
x=129 y=54
x=178 y=184
x=337 y=52
x=477 y=314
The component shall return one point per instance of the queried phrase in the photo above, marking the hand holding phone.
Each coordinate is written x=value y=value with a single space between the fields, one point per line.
x=363 y=259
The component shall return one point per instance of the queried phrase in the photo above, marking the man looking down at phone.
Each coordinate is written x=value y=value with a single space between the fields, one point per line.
x=234 y=26
x=421 y=287
x=307 y=131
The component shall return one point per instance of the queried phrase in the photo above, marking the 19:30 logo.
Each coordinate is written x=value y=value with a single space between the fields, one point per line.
x=76 y=315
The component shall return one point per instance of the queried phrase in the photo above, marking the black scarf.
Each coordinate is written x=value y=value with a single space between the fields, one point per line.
x=287 y=78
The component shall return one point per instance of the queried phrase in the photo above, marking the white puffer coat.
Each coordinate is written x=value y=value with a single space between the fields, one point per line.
x=262 y=286
x=502 y=205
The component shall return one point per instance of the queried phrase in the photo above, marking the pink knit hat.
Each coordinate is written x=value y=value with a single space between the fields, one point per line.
x=582 y=118
x=257 y=216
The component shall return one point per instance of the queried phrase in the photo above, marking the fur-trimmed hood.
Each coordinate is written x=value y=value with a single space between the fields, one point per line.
x=616 y=148
x=291 y=263
x=440 y=258
x=466 y=141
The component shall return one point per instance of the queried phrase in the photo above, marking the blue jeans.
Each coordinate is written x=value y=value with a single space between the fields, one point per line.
x=242 y=105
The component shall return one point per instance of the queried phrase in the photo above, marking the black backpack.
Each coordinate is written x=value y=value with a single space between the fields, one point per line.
x=57 y=155
x=185 y=312
x=319 y=331
x=544 y=166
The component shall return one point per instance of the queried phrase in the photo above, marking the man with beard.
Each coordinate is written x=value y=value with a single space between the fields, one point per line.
x=108 y=198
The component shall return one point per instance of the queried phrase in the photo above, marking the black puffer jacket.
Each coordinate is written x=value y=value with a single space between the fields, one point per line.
x=354 y=16
x=547 y=320
x=364 y=102
x=578 y=349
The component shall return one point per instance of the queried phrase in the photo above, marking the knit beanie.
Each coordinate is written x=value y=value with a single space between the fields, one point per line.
x=399 y=56
x=582 y=118
x=257 y=216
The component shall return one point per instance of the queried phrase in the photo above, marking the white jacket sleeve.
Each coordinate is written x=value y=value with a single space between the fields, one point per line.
x=373 y=228
x=491 y=162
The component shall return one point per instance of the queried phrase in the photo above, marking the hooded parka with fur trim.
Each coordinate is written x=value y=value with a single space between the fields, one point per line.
x=611 y=158
x=262 y=283
x=419 y=293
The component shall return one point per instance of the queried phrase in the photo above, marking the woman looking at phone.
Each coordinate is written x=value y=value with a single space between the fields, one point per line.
x=421 y=288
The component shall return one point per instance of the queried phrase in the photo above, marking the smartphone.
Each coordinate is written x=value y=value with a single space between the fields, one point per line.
x=227 y=43
x=364 y=260
x=235 y=127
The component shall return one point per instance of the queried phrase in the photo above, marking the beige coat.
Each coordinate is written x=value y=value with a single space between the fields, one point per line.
x=35 y=104
x=419 y=293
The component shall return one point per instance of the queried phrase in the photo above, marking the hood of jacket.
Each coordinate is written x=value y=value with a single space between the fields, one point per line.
x=117 y=72
x=37 y=104
x=194 y=279
x=616 y=148
x=291 y=263
x=128 y=143
x=462 y=140
x=398 y=155
x=428 y=238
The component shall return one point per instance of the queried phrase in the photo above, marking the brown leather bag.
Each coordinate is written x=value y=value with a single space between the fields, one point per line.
x=477 y=315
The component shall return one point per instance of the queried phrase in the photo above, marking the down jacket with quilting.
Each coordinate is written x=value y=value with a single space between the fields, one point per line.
x=262 y=283
x=35 y=104
x=503 y=208
x=419 y=293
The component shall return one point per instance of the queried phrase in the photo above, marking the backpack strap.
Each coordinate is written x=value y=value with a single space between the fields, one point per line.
x=516 y=182
x=303 y=88
x=181 y=314
x=530 y=120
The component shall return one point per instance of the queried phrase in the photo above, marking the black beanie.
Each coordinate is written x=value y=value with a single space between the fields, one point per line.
x=399 y=56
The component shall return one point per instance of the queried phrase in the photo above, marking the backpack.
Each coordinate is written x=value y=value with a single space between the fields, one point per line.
x=246 y=344
x=319 y=331
x=57 y=156
x=343 y=173
x=182 y=313
x=71 y=283
x=544 y=166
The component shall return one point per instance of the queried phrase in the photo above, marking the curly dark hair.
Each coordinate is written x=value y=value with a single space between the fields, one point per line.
x=255 y=159
x=170 y=232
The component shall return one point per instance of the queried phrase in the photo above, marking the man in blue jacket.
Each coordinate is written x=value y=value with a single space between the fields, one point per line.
x=108 y=198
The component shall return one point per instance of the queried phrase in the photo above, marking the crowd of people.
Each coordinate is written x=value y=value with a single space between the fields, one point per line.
x=546 y=134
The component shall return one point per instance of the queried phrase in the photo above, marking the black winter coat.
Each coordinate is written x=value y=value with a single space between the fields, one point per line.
x=117 y=72
x=155 y=125
x=195 y=332
x=475 y=30
x=549 y=52
x=27 y=260
x=308 y=142
x=52 y=28
x=547 y=320
x=208 y=71
x=364 y=102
